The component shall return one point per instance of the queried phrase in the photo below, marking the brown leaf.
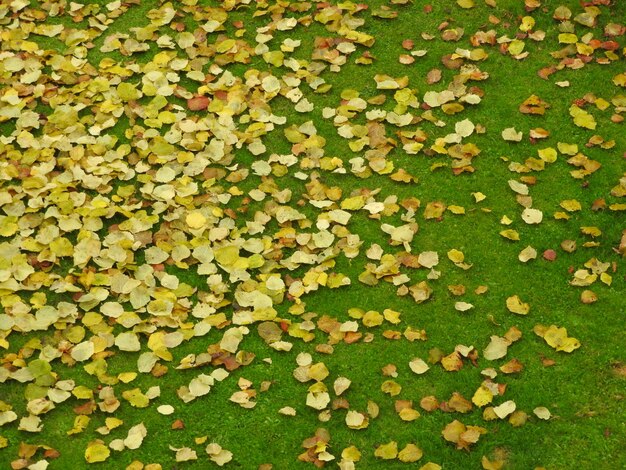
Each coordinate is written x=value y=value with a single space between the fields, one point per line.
x=429 y=403
x=198 y=103
x=433 y=76
x=549 y=255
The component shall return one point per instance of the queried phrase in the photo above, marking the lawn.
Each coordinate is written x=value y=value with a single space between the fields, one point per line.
x=286 y=234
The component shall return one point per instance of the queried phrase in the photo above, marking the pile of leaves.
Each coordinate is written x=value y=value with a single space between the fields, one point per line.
x=173 y=191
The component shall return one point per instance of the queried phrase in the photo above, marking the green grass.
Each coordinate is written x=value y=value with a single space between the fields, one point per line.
x=584 y=394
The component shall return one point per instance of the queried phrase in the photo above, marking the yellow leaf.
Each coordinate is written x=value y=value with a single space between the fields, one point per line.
x=518 y=418
x=127 y=377
x=83 y=351
x=341 y=384
x=528 y=22
x=620 y=80
x=568 y=38
x=317 y=400
x=195 y=220
x=356 y=420
x=387 y=451
x=588 y=297
x=225 y=45
x=318 y=371
x=510 y=134
x=548 y=154
x=466 y=3
x=482 y=396
x=591 y=231
x=428 y=259
x=434 y=210
x=83 y=393
x=515 y=305
x=418 y=366
x=571 y=205
x=185 y=454
x=372 y=318
x=510 y=234
x=96 y=452
x=491 y=464
x=80 y=423
x=390 y=387
x=516 y=47
x=411 y=453
x=351 y=454
x=582 y=118
x=527 y=254
x=112 y=423
x=136 y=398
x=456 y=256
x=408 y=414
x=567 y=149
x=219 y=455
x=227 y=255
x=497 y=348
x=391 y=316
x=353 y=203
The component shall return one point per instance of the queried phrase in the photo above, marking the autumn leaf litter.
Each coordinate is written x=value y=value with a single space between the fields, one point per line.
x=97 y=228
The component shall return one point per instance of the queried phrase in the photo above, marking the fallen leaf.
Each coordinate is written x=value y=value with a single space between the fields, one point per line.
x=527 y=254
x=418 y=366
x=410 y=453
x=511 y=135
x=387 y=451
x=557 y=338
x=496 y=349
x=96 y=452
x=542 y=413
x=515 y=305
x=532 y=216
x=505 y=409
